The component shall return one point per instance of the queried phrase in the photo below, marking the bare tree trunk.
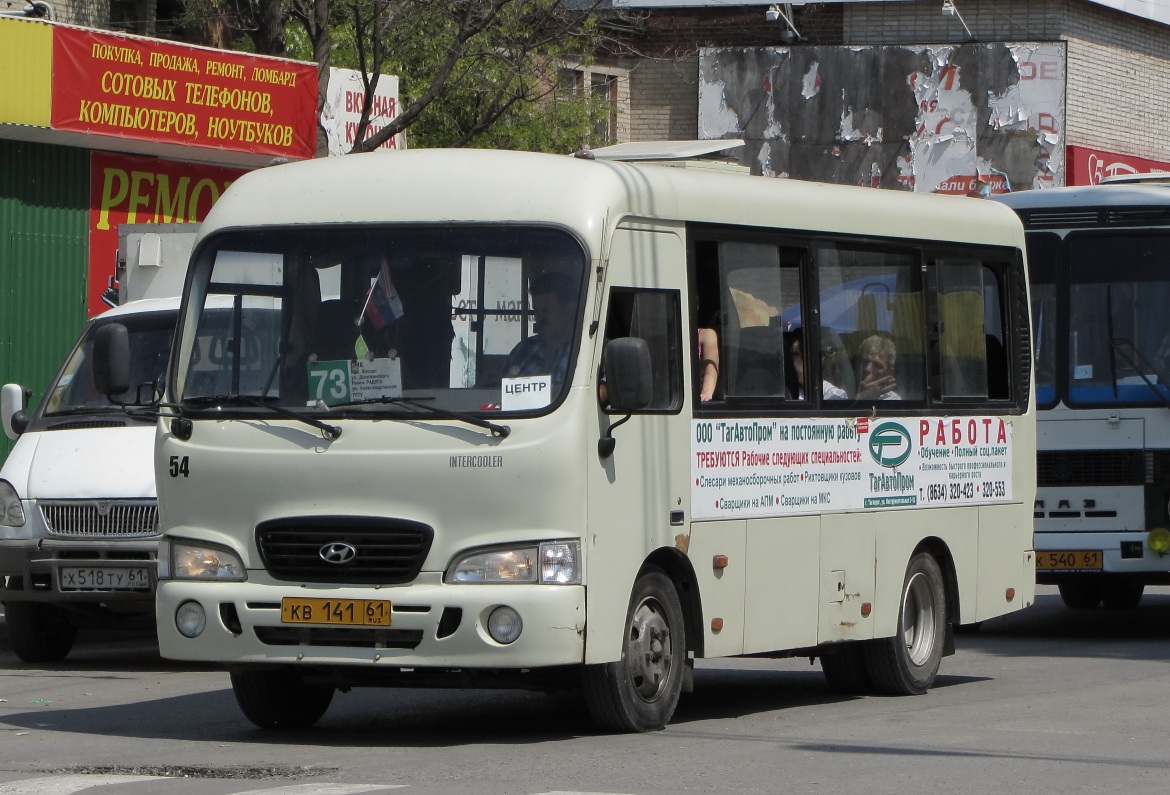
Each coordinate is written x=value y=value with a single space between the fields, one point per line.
x=319 y=35
x=269 y=35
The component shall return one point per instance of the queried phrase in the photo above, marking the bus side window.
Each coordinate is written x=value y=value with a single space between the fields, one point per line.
x=969 y=357
x=655 y=316
x=872 y=295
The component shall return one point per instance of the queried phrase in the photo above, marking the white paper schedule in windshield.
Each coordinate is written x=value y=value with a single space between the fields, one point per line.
x=337 y=382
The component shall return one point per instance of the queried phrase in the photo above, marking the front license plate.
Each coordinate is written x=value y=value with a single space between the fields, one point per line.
x=1069 y=560
x=347 y=612
x=77 y=578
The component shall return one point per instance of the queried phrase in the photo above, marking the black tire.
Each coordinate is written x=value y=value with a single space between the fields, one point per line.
x=846 y=669
x=1122 y=593
x=639 y=692
x=1080 y=594
x=907 y=663
x=39 y=632
x=280 y=699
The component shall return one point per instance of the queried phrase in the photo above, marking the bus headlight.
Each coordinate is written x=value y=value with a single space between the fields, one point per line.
x=504 y=625
x=11 y=511
x=190 y=619
x=1159 y=540
x=548 y=563
x=186 y=559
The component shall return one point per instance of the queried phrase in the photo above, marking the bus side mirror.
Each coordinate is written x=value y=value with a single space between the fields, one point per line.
x=629 y=383
x=13 y=401
x=111 y=359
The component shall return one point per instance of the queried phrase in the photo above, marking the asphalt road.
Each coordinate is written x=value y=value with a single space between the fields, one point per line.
x=1048 y=700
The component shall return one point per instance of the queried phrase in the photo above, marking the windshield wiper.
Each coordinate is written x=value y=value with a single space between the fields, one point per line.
x=501 y=431
x=332 y=431
x=139 y=413
x=1140 y=365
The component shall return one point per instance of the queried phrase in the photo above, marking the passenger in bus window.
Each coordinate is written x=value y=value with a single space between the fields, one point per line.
x=878 y=379
x=828 y=389
x=547 y=351
x=708 y=363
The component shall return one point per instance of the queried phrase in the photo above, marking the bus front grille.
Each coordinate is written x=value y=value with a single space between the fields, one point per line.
x=340 y=637
x=344 y=549
x=100 y=518
x=1090 y=468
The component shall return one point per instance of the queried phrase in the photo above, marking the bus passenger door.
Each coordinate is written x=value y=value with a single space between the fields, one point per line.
x=848 y=565
x=638 y=496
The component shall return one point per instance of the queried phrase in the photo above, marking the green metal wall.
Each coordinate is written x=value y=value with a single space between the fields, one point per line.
x=44 y=211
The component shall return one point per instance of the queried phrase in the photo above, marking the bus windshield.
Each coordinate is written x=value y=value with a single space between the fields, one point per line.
x=1119 y=329
x=471 y=319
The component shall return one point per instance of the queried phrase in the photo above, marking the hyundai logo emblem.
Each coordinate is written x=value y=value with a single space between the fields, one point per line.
x=337 y=552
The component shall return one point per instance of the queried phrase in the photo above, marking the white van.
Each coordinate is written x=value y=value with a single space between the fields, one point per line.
x=78 y=515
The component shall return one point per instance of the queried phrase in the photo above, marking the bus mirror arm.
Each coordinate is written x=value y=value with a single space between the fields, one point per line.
x=607 y=443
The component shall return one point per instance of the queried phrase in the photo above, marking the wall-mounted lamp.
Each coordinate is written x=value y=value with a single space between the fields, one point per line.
x=36 y=10
x=949 y=9
x=783 y=11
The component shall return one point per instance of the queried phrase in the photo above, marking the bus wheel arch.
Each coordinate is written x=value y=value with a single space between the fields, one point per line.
x=942 y=555
x=640 y=691
x=678 y=568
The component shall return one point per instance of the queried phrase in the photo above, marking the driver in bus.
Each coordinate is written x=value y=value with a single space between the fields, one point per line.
x=546 y=352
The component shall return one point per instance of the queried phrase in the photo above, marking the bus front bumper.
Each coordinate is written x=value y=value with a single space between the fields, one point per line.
x=431 y=624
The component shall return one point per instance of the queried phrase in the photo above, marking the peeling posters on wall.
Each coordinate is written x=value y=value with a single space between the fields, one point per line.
x=966 y=119
x=780 y=467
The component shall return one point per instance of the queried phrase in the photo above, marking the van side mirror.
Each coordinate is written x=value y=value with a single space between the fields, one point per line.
x=13 y=402
x=111 y=359
x=629 y=383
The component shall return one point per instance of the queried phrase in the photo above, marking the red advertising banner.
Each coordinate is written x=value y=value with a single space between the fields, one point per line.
x=153 y=90
x=143 y=190
x=1089 y=166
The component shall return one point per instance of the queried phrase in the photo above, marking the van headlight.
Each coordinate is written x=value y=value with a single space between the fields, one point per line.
x=547 y=563
x=11 y=511
x=187 y=559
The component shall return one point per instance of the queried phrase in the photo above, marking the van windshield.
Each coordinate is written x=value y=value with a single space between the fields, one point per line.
x=150 y=343
x=472 y=319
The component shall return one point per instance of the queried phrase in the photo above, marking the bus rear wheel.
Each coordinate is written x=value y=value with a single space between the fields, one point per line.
x=279 y=699
x=39 y=632
x=639 y=692
x=907 y=663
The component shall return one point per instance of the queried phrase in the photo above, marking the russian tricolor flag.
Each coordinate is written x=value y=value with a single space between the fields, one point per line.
x=383 y=305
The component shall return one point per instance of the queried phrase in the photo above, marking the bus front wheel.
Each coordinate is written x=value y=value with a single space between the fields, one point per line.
x=907 y=663
x=1122 y=593
x=1080 y=594
x=639 y=692
x=279 y=699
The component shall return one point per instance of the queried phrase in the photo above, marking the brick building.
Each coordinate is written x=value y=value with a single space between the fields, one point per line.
x=1104 y=108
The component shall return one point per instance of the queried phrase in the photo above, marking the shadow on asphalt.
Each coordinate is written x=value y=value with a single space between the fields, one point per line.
x=373 y=718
